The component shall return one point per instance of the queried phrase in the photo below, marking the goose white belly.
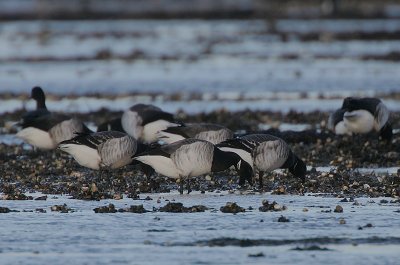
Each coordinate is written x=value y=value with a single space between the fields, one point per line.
x=169 y=138
x=84 y=155
x=36 y=137
x=246 y=156
x=151 y=130
x=161 y=164
x=359 y=121
x=340 y=128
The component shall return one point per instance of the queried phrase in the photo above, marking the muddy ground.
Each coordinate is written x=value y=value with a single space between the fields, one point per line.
x=54 y=172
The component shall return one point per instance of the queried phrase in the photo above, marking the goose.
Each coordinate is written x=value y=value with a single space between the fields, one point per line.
x=109 y=149
x=213 y=133
x=264 y=153
x=44 y=129
x=336 y=123
x=189 y=158
x=363 y=115
x=143 y=122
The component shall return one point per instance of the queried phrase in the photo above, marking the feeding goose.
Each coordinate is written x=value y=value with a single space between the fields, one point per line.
x=44 y=129
x=367 y=114
x=213 y=133
x=143 y=122
x=264 y=153
x=189 y=158
x=98 y=150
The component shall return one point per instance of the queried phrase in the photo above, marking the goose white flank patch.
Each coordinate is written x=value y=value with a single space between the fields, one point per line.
x=264 y=153
x=44 y=129
x=213 y=133
x=188 y=158
x=143 y=122
x=108 y=149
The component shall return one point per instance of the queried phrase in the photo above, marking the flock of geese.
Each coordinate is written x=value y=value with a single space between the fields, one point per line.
x=148 y=136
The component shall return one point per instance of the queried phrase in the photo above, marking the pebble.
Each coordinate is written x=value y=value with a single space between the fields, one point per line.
x=61 y=208
x=232 y=207
x=41 y=198
x=338 y=209
x=105 y=209
x=283 y=219
x=256 y=255
x=177 y=207
x=274 y=206
x=136 y=209
x=4 y=210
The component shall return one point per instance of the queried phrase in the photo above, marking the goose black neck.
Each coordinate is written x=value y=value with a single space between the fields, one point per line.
x=40 y=98
x=298 y=167
x=290 y=161
x=386 y=132
x=223 y=160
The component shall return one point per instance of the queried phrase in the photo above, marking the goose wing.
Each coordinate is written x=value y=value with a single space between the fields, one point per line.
x=42 y=119
x=190 y=130
x=381 y=115
x=169 y=149
x=149 y=113
x=93 y=140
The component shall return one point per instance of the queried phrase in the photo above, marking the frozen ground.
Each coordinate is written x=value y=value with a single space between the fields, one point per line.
x=85 y=237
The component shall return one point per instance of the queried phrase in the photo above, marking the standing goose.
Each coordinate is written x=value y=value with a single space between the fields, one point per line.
x=213 y=133
x=264 y=153
x=189 y=158
x=143 y=122
x=108 y=149
x=363 y=115
x=44 y=129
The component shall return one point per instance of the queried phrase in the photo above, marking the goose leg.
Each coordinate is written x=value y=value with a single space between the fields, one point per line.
x=188 y=185
x=181 y=186
x=260 y=179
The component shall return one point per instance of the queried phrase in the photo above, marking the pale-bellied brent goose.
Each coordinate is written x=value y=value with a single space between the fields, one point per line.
x=264 y=153
x=98 y=150
x=143 y=122
x=363 y=115
x=44 y=129
x=189 y=158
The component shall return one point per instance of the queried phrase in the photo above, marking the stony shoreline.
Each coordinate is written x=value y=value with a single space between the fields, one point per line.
x=53 y=172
